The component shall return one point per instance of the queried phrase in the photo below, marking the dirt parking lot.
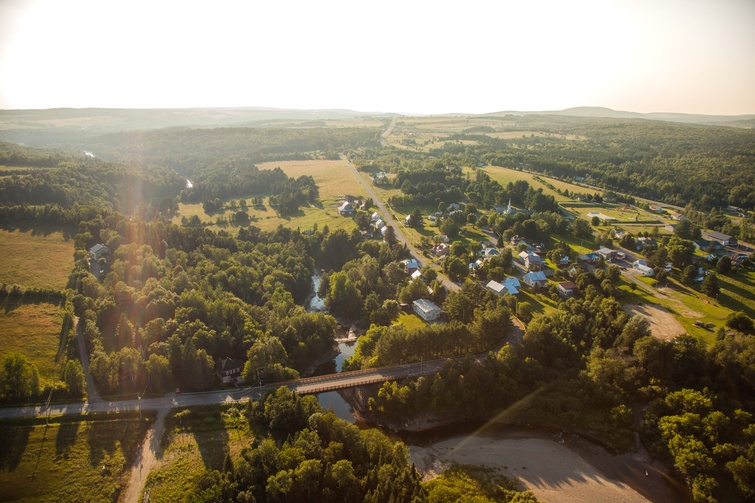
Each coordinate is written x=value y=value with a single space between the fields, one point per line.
x=663 y=325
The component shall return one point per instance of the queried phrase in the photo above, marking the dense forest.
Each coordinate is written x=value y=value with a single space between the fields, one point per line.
x=651 y=159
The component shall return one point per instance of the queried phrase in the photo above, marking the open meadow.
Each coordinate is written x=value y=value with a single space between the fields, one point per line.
x=35 y=258
x=334 y=180
x=34 y=331
x=69 y=460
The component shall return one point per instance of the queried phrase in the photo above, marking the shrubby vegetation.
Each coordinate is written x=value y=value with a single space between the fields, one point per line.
x=303 y=453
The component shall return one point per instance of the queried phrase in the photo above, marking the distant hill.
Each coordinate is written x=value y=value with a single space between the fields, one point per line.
x=745 y=121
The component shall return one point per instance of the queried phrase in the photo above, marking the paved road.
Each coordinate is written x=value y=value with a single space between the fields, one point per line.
x=388 y=131
x=389 y=220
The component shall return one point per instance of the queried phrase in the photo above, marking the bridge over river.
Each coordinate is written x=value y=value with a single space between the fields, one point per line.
x=306 y=386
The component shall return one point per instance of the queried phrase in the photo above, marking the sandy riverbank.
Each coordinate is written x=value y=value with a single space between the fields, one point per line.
x=552 y=471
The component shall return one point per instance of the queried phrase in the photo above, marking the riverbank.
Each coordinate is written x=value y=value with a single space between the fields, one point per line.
x=555 y=467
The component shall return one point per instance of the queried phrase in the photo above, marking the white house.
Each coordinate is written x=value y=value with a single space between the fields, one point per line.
x=229 y=370
x=535 y=279
x=426 y=309
x=379 y=224
x=531 y=260
x=375 y=217
x=567 y=289
x=642 y=266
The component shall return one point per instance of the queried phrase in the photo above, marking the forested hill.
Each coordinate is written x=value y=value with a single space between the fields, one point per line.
x=673 y=163
x=190 y=150
x=48 y=177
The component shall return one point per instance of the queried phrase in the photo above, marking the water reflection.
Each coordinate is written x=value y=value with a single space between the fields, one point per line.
x=339 y=405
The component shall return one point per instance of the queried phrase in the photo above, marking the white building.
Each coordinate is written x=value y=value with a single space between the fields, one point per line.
x=426 y=309
x=642 y=266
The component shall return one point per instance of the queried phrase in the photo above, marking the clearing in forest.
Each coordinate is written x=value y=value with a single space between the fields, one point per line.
x=35 y=259
x=34 y=331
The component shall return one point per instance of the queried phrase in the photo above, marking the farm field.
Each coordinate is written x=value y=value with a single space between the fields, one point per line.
x=504 y=176
x=64 y=462
x=34 y=331
x=334 y=179
x=35 y=259
x=194 y=440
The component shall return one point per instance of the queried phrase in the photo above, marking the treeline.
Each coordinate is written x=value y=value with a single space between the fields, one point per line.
x=95 y=183
x=190 y=151
x=652 y=159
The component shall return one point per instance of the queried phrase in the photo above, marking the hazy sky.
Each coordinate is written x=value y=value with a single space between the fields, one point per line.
x=408 y=56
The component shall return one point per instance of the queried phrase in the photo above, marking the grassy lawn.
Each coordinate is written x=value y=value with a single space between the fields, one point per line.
x=504 y=176
x=35 y=258
x=196 y=439
x=410 y=320
x=34 y=331
x=63 y=462
x=579 y=245
x=738 y=292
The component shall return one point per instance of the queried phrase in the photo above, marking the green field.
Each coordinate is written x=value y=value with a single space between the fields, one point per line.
x=35 y=259
x=504 y=176
x=34 y=331
x=194 y=440
x=410 y=321
x=64 y=462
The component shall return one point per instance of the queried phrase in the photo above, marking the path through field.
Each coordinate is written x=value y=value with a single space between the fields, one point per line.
x=145 y=460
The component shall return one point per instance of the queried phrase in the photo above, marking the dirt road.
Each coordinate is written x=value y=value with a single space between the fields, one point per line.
x=145 y=460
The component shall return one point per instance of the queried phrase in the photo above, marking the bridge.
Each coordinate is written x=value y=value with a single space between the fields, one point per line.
x=356 y=378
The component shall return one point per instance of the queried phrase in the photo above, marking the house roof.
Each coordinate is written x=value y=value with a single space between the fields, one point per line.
x=536 y=276
x=346 y=206
x=567 y=285
x=99 y=248
x=416 y=274
x=495 y=286
x=718 y=235
x=411 y=263
x=425 y=305
x=225 y=364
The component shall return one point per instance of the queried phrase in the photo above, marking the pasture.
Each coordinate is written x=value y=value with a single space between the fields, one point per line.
x=34 y=331
x=35 y=259
x=64 y=461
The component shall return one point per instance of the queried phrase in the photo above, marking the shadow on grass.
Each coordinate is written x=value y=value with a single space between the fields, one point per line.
x=212 y=439
x=13 y=440
x=38 y=229
x=66 y=438
x=106 y=436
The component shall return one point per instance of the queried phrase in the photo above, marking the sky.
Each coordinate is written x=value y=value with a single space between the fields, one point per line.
x=423 y=57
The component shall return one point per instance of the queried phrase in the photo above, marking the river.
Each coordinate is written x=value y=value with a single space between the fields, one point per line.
x=332 y=399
